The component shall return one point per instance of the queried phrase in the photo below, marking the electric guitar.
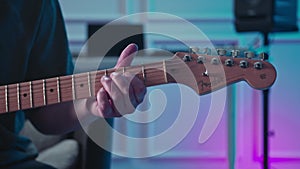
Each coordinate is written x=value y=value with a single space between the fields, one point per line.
x=202 y=72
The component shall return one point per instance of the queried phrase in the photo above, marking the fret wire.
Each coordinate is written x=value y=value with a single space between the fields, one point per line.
x=143 y=72
x=73 y=87
x=6 y=98
x=106 y=74
x=18 y=95
x=58 y=87
x=30 y=94
x=44 y=92
x=123 y=70
x=150 y=72
x=89 y=84
x=165 y=71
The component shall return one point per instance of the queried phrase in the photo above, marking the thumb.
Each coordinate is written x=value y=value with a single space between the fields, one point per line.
x=127 y=55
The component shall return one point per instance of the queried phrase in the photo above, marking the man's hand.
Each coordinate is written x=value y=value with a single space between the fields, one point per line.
x=121 y=93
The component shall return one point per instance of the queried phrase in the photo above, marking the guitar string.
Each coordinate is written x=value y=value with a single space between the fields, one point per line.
x=79 y=81
x=39 y=95
x=150 y=69
x=136 y=68
x=98 y=75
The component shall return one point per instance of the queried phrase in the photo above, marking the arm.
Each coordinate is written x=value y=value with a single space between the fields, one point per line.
x=50 y=57
x=120 y=95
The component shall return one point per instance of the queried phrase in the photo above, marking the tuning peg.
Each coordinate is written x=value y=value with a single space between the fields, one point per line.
x=221 y=52
x=193 y=50
x=215 y=61
x=187 y=58
x=206 y=51
x=244 y=64
x=229 y=62
x=235 y=53
x=258 y=65
x=201 y=59
x=249 y=54
x=263 y=56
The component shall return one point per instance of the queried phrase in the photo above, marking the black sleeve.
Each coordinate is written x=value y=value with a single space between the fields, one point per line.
x=50 y=55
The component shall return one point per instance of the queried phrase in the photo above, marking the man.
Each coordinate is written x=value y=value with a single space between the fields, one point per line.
x=33 y=45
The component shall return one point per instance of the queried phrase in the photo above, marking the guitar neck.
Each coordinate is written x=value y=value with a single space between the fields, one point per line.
x=202 y=73
x=37 y=93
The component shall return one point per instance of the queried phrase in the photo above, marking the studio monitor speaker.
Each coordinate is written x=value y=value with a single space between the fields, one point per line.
x=265 y=15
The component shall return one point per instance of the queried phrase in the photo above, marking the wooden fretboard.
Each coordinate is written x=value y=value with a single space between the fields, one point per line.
x=44 y=92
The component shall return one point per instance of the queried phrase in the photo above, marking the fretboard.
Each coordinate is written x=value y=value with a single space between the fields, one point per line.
x=37 y=93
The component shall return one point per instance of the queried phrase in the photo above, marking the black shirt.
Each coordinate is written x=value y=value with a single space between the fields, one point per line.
x=33 y=45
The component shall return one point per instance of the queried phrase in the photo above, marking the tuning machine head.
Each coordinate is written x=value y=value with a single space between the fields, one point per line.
x=244 y=64
x=201 y=59
x=222 y=52
x=249 y=54
x=229 y=62
x=187 y=58
x=193 y=50
x=235 y=53
x=205 y=51
x=258 y=65
x=263 y=56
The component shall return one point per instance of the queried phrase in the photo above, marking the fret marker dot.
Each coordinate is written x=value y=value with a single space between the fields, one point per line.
x=81 y=85
x=51 y=90
x=25 y=95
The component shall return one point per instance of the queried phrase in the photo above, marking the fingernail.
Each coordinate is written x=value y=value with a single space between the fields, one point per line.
x=115 y=74
x=105 y=78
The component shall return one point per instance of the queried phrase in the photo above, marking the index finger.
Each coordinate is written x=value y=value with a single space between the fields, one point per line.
x=127 y=55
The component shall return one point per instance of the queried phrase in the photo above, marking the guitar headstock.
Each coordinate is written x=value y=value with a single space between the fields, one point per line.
x=212 y=72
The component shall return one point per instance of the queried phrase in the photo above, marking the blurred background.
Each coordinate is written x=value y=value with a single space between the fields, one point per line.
x=238 y=140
